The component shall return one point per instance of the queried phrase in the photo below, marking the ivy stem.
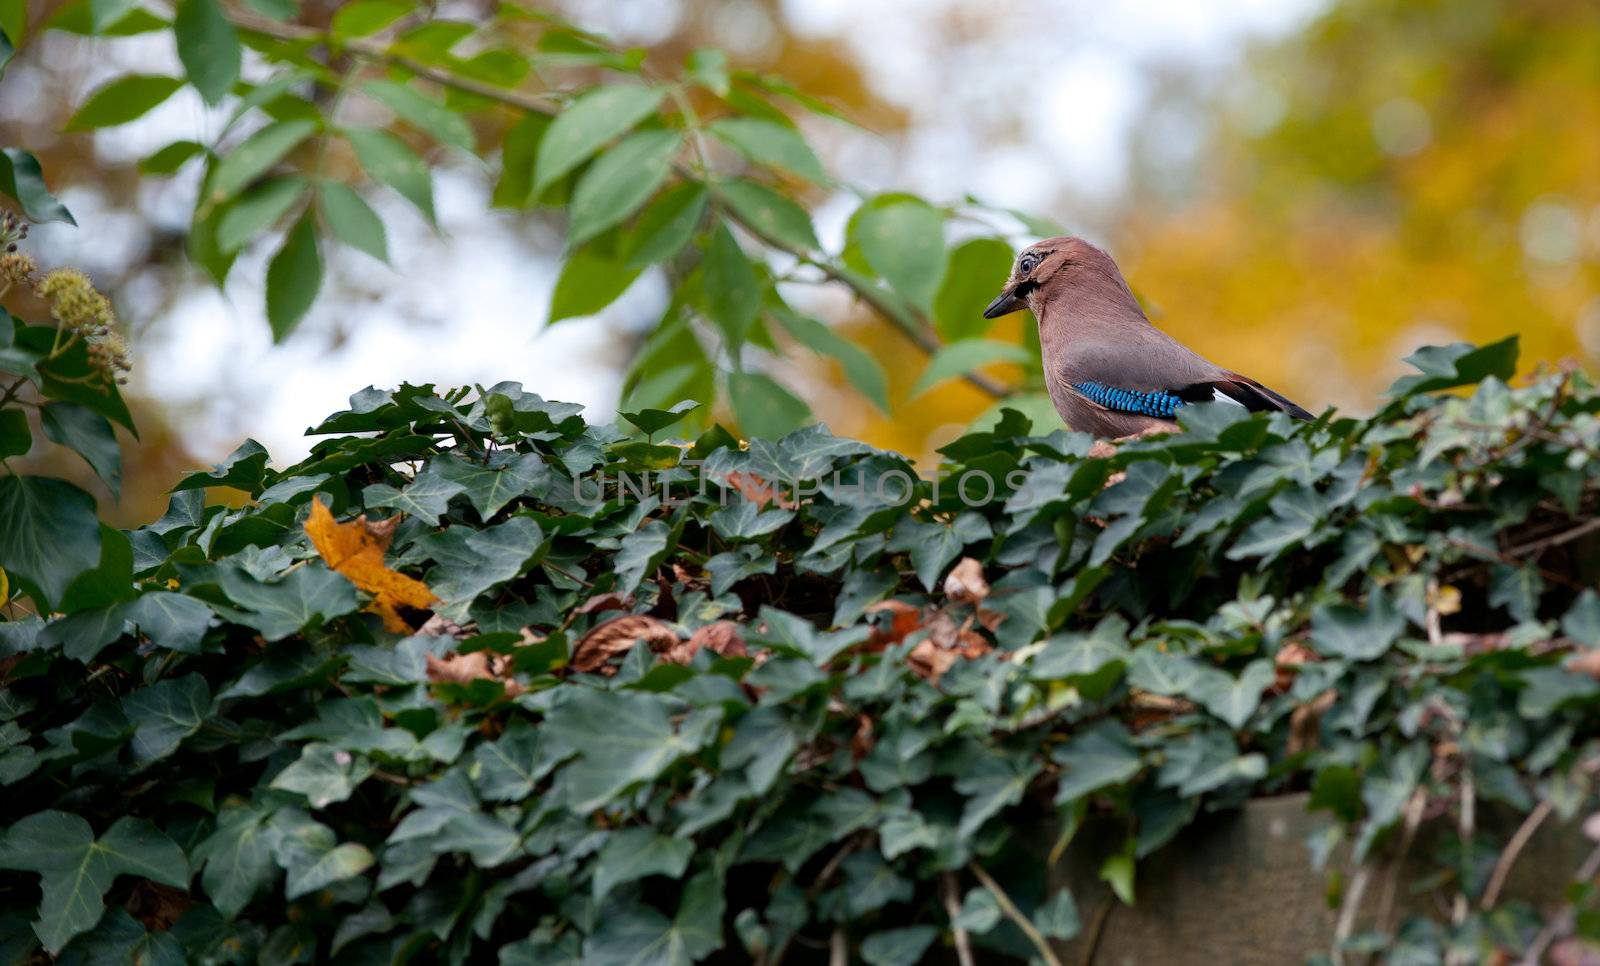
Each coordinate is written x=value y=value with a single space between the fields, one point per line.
x=952 y=908
x=1015 y=915
x=910 y=322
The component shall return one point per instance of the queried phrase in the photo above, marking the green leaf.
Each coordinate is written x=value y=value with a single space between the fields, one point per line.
x=387 y=160
x=76 y=869
x=366 y=17
x=49 y=534
x=426 y=497
x=472 y=562
x=1340 y=630
x=15 y=436
x=122 y=100
x=1457 y=364
x=440 y=122
x=992 y=783
x=1582 y=621
x=208 y=46
x=769 y=214
x=667 y=224
x=238 y=858
x=312 y=854
x=633 y=853
x=587 y=124
x=284 y=607
x=771 y=144
x=239 y=168
x=514 y=189
x=653 y=421
x=978 y=270
x=165 y=713
x=709 y=68
x=88 y=434
x=633 y=934
x=903 y=240
x=764 y=408
x=620 y=181
x=14 y=19
x=621 y=739
x=1094 y=759
x=352 y=220
x=733 y=294
x=859 y=367
x=641 y=552
x=508 y=768
x=293 y=278
x=1234 y=701
x=23 y=180
x=589 y=281
x=964 y=357
x=169 y=159
x=898 y=947
x=257 y=210
x=173 y=621
x=323 y=774
x=490 y=487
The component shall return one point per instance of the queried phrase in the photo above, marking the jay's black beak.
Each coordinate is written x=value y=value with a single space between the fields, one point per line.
x=1006 y=303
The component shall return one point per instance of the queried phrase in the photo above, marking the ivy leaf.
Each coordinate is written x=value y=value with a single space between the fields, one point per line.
x=176 y=622
x=122 y=100
x=1234 y=701
x=1457 y=364
x=991 y=783
x=1582 y=621
x=286 y=606
x=426 y=497
x=208 y=46
x=1340 y=630
x=587 y=124
x=641 y=552
x=165 y=713
x=49 y=534
x=76 y=869
x=633 y=853
x=770 y=143
x=22 y=179
x=472 y=562
x=634 y=934
x=15 y=436
x=238 y=858
x=293 y=278
x=490 y=487
x=621 y=180
x=1094 y=759
x=898 y=947
x=621 y=740
x=311 y=854
x=323 y=774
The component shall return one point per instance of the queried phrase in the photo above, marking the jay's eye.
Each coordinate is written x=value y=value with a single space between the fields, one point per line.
x=1028 y=263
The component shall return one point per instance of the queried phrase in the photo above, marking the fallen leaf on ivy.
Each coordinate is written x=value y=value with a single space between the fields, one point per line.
x=965 y=584
x=759 y=491
x=719 y=637
x=604 y=602
x=437 y=626
x=1585 y=662
x=157 y=906
x=903 y=621
x=356 y=550
x=864 y=740
x=946 y=643
x=1287 y=664
x=477 y=666
x=616 y=636
x=1305 y=723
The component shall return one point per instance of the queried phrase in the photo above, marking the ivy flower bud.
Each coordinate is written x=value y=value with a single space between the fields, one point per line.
x=12 y=230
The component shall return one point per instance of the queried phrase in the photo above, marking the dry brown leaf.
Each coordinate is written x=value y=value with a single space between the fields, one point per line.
x=157 y=906
x=759 y=491
x=862 y=743
x=604 y=602
x=904 y=620
x=946 y=643
x=1573 y=951
x=616 y=636
x=930 y=660
x=719 y=637
x=1102 y=449
x=1586 y=661
x=466 y=668
x=356 y=550
x=1305 y=723
x=965 y=583
x=437 y=626
x=1287 y=662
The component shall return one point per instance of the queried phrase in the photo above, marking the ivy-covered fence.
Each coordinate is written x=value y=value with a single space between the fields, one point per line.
x=479 y=679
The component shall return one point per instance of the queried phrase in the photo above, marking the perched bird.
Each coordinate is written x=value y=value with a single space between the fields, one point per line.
x=1110 y=372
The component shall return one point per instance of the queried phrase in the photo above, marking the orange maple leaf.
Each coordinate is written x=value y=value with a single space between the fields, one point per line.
x=356 y=550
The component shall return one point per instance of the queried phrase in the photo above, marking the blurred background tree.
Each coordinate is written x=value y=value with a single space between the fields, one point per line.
x=1303 y=190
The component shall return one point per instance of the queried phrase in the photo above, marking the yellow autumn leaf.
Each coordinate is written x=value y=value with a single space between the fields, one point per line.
x=356 y=550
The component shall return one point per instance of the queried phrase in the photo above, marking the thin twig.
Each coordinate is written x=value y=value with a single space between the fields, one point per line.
x=1545 y=543
x=952 y=908
x=1508 y=858
x=1408 y=834
x=838 y=948
x=1347 y=912
x=1015 y=915
x=907 y=320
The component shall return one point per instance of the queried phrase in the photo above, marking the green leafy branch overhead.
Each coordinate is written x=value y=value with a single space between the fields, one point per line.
x=701 y=172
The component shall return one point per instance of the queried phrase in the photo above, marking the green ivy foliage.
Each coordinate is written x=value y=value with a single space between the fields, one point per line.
x=212 y=751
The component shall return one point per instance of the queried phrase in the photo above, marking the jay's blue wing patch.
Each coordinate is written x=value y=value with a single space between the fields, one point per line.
x=1157 y=403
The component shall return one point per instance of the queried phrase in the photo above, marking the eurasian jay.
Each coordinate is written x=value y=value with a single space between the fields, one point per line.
x=1110 y=372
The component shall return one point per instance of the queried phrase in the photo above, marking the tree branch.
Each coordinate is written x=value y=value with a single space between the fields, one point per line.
x=908 y=321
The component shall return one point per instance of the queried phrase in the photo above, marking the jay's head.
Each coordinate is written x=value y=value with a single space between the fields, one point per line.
x=1051 y=265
